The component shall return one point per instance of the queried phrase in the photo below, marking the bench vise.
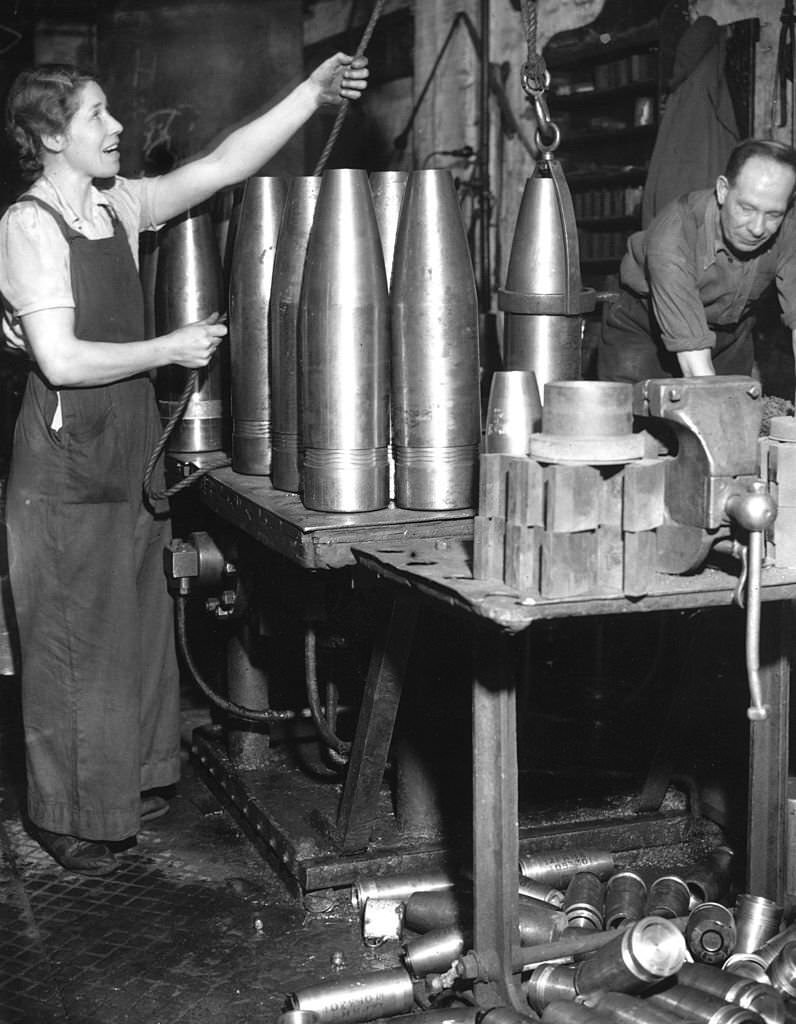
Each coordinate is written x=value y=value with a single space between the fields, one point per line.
x=708 y=429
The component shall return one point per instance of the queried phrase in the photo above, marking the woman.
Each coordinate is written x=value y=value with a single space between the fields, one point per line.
x=100 y=694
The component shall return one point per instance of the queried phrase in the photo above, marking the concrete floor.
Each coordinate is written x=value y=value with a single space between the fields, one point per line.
x=193 y=927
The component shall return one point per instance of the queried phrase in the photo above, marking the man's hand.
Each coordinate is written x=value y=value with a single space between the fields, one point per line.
x=339 y=78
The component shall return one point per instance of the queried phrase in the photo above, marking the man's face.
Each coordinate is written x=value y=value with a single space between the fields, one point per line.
x=753 y=208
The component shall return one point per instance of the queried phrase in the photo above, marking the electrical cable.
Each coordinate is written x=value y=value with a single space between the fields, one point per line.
x=266 y=715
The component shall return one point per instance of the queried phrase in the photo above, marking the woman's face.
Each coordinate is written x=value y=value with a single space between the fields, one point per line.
x=91 y=141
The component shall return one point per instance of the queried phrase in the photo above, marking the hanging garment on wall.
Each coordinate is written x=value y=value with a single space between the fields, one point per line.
x=698 y=128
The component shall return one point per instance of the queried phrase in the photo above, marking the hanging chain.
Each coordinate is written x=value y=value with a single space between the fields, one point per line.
x=536 y=81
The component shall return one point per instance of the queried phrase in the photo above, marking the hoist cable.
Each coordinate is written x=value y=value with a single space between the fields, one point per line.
x=153 y=496
x=342 y=110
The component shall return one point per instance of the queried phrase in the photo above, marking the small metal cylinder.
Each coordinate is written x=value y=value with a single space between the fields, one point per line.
x=708 y=879
x=668 y=897
x=710 y=933
x=757 y=920
x=514 y=412
x=783 y=971
x=344 y=352
x=625 y=899
x=696 y=1005
x=646 y=952
x=583 y=902
x=762 y=998
x=288 y=270
x=297 y=1017
x=435 y=951
x=382 y=920
x=364 y=997
x=623 y=1008
x=540 y=891
x=548 y=983
x=556 y=867
x=402 y=885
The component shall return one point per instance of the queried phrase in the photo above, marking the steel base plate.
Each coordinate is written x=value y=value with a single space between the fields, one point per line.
x=289 y=812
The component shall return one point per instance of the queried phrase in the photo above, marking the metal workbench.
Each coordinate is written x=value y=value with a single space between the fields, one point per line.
x=272 y=801
x=439 y=574
x=317 y=540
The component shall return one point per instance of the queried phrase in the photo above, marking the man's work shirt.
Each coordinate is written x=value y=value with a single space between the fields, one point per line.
x=695 y=283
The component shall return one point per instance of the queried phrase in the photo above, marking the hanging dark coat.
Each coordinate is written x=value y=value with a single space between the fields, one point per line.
x=698 y=129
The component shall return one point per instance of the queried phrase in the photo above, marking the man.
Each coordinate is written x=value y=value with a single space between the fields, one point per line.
x=689 y=282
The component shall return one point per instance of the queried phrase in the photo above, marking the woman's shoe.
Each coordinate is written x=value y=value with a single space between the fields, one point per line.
x=74 y=854
x=152 y=807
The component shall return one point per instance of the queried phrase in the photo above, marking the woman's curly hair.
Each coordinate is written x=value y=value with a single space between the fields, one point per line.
x=41 y=101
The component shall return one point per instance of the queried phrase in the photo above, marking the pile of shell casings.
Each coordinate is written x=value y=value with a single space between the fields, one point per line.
x=596 y=943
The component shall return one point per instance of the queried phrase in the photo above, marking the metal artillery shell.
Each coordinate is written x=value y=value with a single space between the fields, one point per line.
x=556 y=867
x=387 y=188
x=548 y=983
x=783 y=971
x=365 y=997
x=436 y=417
x=646 y=952
x=442 y=908
x=696 y=1005
x=625 y=898
x=710 y=933
x=763 y=999
x=344 y=352
x=540 y=891
x=562 y=1012
x=748 y=965
x=583 y=901
x=402 y=886
x=543 y=300
x=623 y=1008
x=435 y=951
x=668 y=897
x=189 y=287
x=251 y=274
x=382 y=919
x=708 y=879
x=538 y=921
x=288 y=271
x=757 y=920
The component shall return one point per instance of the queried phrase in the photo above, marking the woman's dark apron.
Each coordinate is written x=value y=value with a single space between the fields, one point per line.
x=100 y=691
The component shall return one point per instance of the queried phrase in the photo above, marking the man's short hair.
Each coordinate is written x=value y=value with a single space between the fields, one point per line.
x=767 y=148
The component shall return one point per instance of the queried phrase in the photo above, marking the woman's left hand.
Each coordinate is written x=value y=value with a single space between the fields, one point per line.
x=339 y=78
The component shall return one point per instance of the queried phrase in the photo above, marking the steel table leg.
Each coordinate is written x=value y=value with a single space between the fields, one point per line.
x=768 y=759
x=495 y=810
x=375 y=724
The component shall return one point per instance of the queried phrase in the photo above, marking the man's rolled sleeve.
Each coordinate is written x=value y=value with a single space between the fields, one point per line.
x=674 y=292
x=786 y=271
